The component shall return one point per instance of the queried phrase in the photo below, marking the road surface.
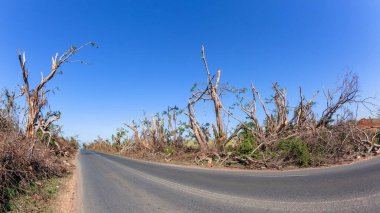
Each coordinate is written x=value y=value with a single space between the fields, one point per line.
x=113 y=184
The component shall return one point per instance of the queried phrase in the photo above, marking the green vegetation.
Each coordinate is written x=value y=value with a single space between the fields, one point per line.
x=247 y=142
x=288 y=135
x=377 y=137
x=295 y=149
x=36 y=196
x=32 y=154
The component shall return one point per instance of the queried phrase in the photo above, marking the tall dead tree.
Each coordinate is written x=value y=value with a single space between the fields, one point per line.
x=212 y=93
x=346 y=93
x=199 y=135
x=139 y=142
x=172 y=113
x=36 y=98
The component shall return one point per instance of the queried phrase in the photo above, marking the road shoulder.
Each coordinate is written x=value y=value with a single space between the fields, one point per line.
x=67 y=199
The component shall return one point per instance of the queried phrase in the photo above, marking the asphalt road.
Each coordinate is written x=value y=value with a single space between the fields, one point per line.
x=113 y=184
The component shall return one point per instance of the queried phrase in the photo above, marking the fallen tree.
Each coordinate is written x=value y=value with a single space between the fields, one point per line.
x=287 y=135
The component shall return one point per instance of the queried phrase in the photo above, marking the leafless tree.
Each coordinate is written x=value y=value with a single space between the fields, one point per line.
x=346 y=93
x=276 y=123
x=9 y=110
x=36 y=98
x=136 y=135
x=212 y=93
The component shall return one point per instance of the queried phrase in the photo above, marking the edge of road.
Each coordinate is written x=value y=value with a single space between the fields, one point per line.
x=366 y=162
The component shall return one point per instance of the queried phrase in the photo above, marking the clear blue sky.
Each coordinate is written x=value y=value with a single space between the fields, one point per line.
x=149 y=51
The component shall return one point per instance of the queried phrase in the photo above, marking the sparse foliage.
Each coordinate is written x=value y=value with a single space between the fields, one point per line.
x=36 y=98
x=26 y=154
x=288 y=135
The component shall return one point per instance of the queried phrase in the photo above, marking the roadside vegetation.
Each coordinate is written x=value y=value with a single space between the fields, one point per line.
x=33 y=152
x=287 y=136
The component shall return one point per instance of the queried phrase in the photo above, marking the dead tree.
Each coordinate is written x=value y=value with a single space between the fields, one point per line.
x=156 y=129
x=346 y=93
x=45 y=123
x=136 y=135
x=36 y=98
x=172 y=114
x=212 y=93
x=199 y=135
x=9 y=110
x=277 y=125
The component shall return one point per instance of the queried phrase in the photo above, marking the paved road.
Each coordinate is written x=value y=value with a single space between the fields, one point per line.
x=113 y=184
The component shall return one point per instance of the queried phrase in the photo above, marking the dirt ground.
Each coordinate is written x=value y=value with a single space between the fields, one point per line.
x=67 y=200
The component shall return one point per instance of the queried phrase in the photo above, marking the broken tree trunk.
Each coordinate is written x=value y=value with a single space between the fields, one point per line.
x=35 y=98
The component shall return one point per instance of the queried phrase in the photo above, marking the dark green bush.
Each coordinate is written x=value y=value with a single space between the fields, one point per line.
x=296 y=149
x=245 y=147
x=377 y=138
x=246 y=143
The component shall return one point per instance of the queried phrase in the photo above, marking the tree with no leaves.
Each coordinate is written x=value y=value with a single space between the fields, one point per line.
x=36 y=98
x=212 y=93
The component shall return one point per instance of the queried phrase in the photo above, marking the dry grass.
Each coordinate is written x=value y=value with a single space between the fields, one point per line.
x=23 y=163
x=336 y=144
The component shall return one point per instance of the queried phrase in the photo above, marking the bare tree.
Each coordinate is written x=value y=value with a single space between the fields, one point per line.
x=136 y=135
x=45 y=122
x=36 y=98
x=346 y=93
x=9 y=109
x=213 y=92
x=276 y=123
x=197 y=130
x=172 y=114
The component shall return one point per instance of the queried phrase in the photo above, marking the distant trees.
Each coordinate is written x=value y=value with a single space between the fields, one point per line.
x=277 y=124
x=287 y=134
x=157 y=132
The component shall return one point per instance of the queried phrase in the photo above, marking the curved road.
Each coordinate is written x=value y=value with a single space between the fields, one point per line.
x=114 y=184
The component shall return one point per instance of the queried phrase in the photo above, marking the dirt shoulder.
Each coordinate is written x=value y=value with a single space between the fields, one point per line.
x=187 y=161
x=67 y=199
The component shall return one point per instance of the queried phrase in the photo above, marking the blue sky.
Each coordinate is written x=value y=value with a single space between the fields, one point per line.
x=149 y=51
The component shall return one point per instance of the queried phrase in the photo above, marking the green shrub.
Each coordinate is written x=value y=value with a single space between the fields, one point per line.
x=246 y=144
x=377 y=138
x=295 y=149
x=193 y=144
x=7 y=195
x=245 y=147
x=230 y=146
x=170 y=150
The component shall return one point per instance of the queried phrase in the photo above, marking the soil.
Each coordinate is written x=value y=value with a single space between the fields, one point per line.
x=67 y=199
x=187 y=159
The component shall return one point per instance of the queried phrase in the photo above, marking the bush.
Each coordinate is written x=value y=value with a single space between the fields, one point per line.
x=295 y=149
x=245 y=147
x=20 y=164
x=377 y=138
x=66 y=147
x=192 y=145
x=170 y=150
